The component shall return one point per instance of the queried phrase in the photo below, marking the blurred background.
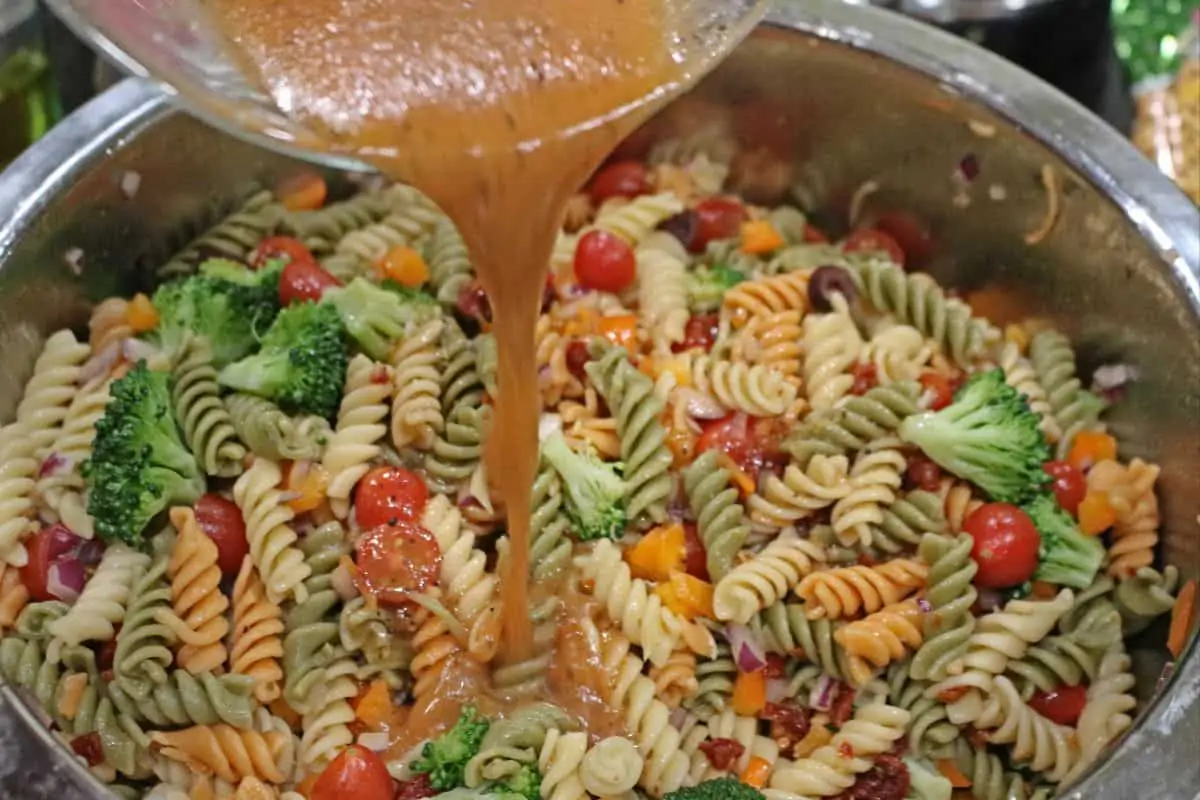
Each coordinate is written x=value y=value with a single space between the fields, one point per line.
x=1136 y=63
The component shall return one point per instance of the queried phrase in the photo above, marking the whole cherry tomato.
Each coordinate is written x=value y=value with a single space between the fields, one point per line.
x=304 y=280
x=695 y=558
x=280 y=247
x=387 y=494
x=619 y=179
x=1070 y=487
x=1062 y=705
x=604 y=261
x=221 y=520
x=1005 y=545
x=717 y=218
x=870 y=240
x=940 y=389
x=356 y=774
x=395 y=561
x=699 y=332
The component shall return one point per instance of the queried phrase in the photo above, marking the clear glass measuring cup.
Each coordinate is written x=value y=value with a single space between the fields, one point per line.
x=172 y=41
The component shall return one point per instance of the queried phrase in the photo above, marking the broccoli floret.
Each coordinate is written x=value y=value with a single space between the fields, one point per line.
x=526 y=782
x=488 y=791
x=302 y=363
x=1066 y=556
x=446 y=757
x=376 y=316
x=987 y=436
x=595 y=491
x=707 y=285
x=139 y=463
x=718 y=789
x=226 y=303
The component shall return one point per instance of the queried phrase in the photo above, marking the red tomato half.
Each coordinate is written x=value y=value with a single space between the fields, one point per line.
x=388 y=494
x=695 y=558
x=869 y=240
x=37 y=570
x=356 y=774
x=620 y=179
x=731 y=435
x=395 y=561
x=221 y=520
x=1069 y=485
x=717 y=218
x=700 y=331
x=1005 y=545
x=304 y=280
x=604 y=261
x=280 y=247
x=1062 y=705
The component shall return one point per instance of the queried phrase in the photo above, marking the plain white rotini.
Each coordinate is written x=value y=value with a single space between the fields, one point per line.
x=49 y=392
x=874 y=479
x=1020 y=375
x=1109 y=709
x=800 y=492
x=630 y=603
x=633 y=221
x=468 y=587
x=360 y=429
x=765 y=579
x=102 y=603
x=752 y=389
x=611 y=767
x=416 y=402
x=666 y=766
x=899 y=353
x=61 y=485
x=832 y=345
x=560 y=763
x=1047 y=746
x=662 y=289
x=268 y=530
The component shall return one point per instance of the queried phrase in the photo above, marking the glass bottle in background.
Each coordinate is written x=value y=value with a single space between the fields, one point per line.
x=28 y=102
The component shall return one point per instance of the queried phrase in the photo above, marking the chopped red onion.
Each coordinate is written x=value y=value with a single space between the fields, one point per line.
x=924 y=605
x=821 y=697
x=747 y=652
x=777 y=690
x=53 y=463
x=699 y=405
x=990 y=599
x=62 y=540
x=65 y=579
x=101 y=363
x=968 y=168
x=548 y=425
x=90 y=551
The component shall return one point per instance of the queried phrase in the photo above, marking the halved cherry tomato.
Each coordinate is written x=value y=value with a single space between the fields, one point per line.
x=1062 y=705
x=280 y=247
x=395 y=561
x=221 y=520
x=717 y=218
x=695 y=557
x=869 y=240
x=620 y=179
x=43 y=549
x=304 y=280
x=388 y=494
x=604 y=261
x=356 y=774
x=866 y=377
x=730 y=435
x=700 y=331
x=1005 y=545
x=303 y=192
x=814 y=235
x=1070 y=487
x=940 y=388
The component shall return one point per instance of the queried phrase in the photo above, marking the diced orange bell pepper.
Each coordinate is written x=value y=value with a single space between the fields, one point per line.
x=658 y=554
x=405 y=266
x=307 y=481
x=750 y=693
x=621 y=330
x=952 y=773
x=687 y=596
x=817 y=737
x=682 y=444
x=760 y=237
x=1096 y=513
x=304 y=192
x=141 y=315
x=375 y=705
x=1090 y=448
x=741 y=479
x=582 y=324
x=1181 y=618
x=756 y=772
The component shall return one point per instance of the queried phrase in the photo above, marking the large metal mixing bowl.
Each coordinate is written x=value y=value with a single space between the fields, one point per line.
x=829 y=99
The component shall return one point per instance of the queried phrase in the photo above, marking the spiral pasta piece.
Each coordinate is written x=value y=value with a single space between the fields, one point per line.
x=1020 y=375
x=859 y=421
x=989 y=779
x=633 y=221
x=469 y=587
x=950 y=595
x=555 y=380
x=226 y=752
x=49 y=391
x=272 y=540
x=611 y=767
x=714 y=683
x=831 y=769
x=907 y=520
x=800 y=492
x=832 y=345
x=326 y=729
x=197 y=616
x=898 y=352
x=311 y=630
x=1074 y=408
x=102 y=603
x=719 y=517
x=1093 y=621
x=271 y=433
x=108 y=324
x=958 y=502
x=764 y=297
x=206 y=422
x=185 y=699
x=666 y=767
x=1144 y=596
x=416 y=403
x=525 y=678
x=752 y=389
x=873 y=480
x=449 y=262
x=232 y=237
x=433 y=646
x=561 y=762
x=916 y=299
x=256 y=646
x=1109 y=708
x=772 y=341
x=850 y=591
x=144 y=645
x=662 y=289
x=930 y=733
x=1047 y=746
x=765 y=579
x=360 y=428
x=880 y=638
x=60 y=483
x=630 y=395
x=1130 y=492
x=744 y=731
x=785 y=628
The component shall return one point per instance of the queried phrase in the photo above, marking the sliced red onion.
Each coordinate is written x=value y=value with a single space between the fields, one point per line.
x=52 y=464
x=548 y=425
x=821 y=697
x=747 y=652
x=678 y=718
x=777 y=690
x=138 y=350
x=65 y=579
x=924 y=605
x=699 y=405
x=990 y=599
x=62 y=540
x=90 y=552
x=375 y=741
x=101 y=363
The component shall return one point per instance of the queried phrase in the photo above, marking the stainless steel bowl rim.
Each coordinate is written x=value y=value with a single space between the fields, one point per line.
x=1165 y=739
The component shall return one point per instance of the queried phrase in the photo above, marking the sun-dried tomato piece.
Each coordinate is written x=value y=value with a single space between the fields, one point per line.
x=723 y=754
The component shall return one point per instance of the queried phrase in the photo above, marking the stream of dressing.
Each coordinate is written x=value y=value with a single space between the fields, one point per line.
x=498 y=110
